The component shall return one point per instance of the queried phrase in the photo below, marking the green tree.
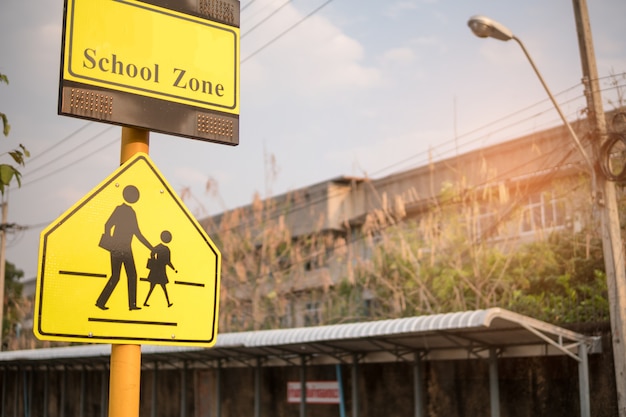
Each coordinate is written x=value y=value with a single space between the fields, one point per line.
x=562 y=279
x=436 y=263
x=265 y=267
x=8 y=171
x=462 y=252
x=12 y=303
x=5 y=121
x=446 y=261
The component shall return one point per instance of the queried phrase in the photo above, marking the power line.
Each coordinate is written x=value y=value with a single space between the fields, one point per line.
x=282 y=210
x=265 y=19
x=479 y=129
x=80 y=129
x=309 y=203
x=82 y=144
x=500 y=220
x=65 y=139
x=69 y=165
x=253 y=14
x=286 y=31
x=295 y=207
x=247 y=5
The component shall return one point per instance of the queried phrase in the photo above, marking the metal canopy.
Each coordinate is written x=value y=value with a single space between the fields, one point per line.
x=462 y=335
x=481 y=334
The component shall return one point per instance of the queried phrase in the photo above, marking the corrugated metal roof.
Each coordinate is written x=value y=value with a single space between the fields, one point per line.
x=468 y=334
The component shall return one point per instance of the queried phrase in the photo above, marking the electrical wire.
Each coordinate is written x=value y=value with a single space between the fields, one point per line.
x=501 y=219
x=77 y=160
x=252 y=15
x=265 y=46
x=65 y=139
x=247 y=5
x=286 y=31
x=83 y=127
x=281 y=211
x=613 y=149
x=484 y=235
x=453 y=142
x=74 y=149
x=265 y=19
x=395 y=165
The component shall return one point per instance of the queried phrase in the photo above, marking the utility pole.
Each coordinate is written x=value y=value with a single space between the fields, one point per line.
x=606 y=200
x=125 y=372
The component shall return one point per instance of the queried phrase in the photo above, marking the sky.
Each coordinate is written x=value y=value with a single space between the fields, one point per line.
x=328 y=89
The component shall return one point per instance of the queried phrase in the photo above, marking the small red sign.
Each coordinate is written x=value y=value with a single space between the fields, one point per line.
x=317 y=392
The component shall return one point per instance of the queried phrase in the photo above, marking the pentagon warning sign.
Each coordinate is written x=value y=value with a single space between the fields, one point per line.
x=128 y=264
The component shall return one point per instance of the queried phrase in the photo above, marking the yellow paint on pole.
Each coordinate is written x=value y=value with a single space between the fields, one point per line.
x=125 y=380
x=125 y=374
x=133 y=141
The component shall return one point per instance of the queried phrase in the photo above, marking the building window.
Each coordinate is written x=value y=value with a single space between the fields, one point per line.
x=317 y=261
x=285 y=319
x=487 y=223
x=543 y=211
x=312 y=314
x=369 y=304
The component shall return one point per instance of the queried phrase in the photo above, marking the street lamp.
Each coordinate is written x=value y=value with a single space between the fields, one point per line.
x=484 y=27
x=603 y=190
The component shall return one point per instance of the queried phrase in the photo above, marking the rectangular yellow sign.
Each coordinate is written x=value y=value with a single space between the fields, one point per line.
x=140 y=48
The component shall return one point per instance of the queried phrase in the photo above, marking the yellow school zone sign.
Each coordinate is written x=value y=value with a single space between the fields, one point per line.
x=128 y=263
x=144 y=49
x=165 y=66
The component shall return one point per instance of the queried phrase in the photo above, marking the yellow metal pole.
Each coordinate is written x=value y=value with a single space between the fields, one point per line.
x=125 y=379
x=133 y=141
x=126 y=359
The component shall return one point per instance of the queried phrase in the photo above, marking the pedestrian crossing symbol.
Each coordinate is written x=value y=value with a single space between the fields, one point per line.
x=128 y=264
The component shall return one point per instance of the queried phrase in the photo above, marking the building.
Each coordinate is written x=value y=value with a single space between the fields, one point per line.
x=281 y=255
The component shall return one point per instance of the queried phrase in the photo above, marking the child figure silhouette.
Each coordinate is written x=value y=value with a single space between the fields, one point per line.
x=159 y=260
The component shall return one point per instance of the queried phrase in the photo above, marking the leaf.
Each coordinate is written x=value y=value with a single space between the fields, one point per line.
x=26 y=151
x=6 y=174
x=18 y=156
x=18 y=178
x=6 y=127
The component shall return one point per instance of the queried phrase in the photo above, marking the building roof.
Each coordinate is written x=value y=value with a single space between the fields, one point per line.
x=462 y=335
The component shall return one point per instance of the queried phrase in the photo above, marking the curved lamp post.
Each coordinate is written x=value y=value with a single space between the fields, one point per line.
x=603 y=190
x=484 y=27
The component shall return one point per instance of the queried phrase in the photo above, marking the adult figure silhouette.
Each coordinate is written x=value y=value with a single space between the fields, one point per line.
x=119 y=231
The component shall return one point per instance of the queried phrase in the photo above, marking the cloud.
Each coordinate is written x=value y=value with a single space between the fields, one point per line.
x=66 y=196
x=333 y=60
x=413 y=61
x=501 y=54
x=398 y=8
x=50 y=33
x=190 y=175
x=399 y=56
x=380 y=157
x=429 y=44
